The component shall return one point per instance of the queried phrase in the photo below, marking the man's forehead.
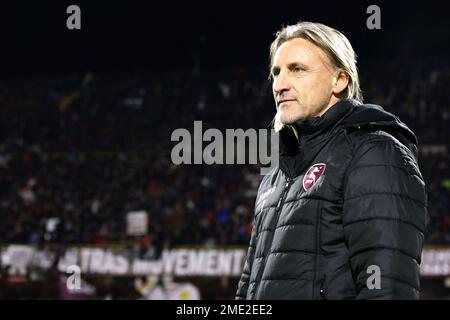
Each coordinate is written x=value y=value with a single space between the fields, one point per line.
x=299 y=50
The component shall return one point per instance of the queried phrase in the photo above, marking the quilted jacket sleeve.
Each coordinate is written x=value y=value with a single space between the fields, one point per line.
x=243 y=284
x=384 y=218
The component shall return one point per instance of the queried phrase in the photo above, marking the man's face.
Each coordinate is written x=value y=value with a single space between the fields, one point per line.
x=302 y=80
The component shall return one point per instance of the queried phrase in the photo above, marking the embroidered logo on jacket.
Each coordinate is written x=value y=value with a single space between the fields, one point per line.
x=312 y=175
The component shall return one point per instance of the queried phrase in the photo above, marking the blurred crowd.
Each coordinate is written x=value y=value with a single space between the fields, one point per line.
x=80 y=151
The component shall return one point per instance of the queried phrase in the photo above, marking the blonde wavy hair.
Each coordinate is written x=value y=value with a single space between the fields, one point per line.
x=335 y=45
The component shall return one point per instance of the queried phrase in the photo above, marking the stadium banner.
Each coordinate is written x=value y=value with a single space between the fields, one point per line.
x=178 y=262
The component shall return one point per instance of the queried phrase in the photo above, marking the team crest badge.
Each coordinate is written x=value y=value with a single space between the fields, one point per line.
x=312 y=175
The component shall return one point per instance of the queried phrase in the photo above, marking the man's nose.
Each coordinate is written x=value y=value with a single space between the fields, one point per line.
x=281 y=83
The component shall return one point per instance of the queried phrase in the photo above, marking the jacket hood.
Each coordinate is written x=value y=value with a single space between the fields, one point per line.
x=350 y=115
x=374 y=117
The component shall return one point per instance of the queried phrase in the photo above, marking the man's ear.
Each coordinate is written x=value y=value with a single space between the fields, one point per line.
x=340 y=82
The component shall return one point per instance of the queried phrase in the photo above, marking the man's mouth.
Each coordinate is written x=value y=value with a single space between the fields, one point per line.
x=284 y=101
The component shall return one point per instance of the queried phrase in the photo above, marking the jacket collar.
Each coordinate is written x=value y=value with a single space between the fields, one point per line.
x=311 y=128
x=296 y=155
x=316 y=125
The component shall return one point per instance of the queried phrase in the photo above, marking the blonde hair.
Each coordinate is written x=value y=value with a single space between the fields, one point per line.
x=333 y=43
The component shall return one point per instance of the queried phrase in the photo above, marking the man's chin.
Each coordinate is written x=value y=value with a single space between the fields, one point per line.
x=290 y=120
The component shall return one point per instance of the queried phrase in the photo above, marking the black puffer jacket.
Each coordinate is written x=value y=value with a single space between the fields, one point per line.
x=346 y=196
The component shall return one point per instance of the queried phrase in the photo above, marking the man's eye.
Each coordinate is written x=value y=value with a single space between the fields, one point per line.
x=297 y=69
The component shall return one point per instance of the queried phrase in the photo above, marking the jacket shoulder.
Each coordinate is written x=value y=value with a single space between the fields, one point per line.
x=379 y=147
x=361 y=136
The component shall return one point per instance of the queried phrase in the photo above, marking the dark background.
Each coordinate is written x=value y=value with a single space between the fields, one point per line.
x=70 y=136
x=183 y=34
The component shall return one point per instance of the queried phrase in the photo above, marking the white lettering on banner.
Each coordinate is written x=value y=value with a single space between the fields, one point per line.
x=224 y=261
x=85 y=255
x=104 y=262
x=168 y=258
x=121 y=265
x=140 y=267
x=17 y=258
x=179 y=262
x=195 y=258
x=211 y=262
x=238 y=261
x=109 y=263
x=143 y=267
x=435 y=262
x=96 y=261
x=114 y=264
x=43 y=259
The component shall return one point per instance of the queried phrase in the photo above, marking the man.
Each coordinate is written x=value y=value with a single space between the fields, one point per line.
x=343 y=216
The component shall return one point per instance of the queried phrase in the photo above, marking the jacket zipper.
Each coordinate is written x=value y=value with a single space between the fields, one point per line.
x=277 y=217
x=323 y=288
